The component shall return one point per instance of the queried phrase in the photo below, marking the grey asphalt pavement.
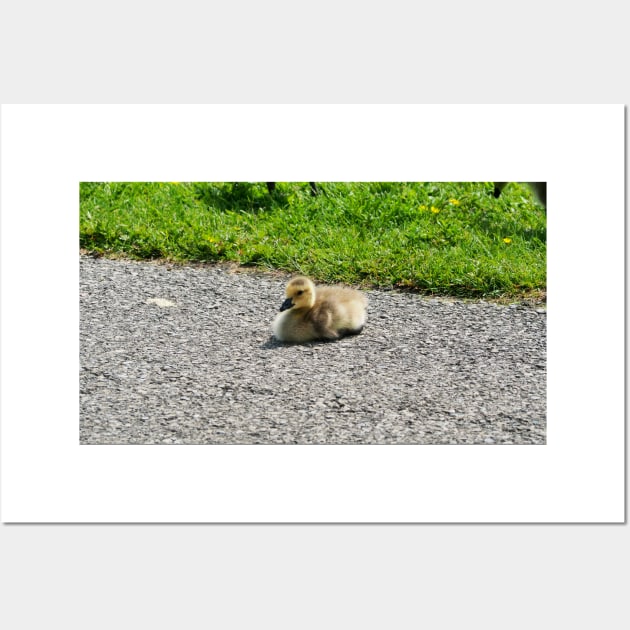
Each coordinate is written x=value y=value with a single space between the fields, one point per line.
x=184 y=355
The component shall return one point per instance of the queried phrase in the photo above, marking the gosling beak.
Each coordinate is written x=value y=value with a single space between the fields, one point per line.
x=288 y=303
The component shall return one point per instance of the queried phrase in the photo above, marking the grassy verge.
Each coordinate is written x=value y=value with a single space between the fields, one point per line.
x=439 y=238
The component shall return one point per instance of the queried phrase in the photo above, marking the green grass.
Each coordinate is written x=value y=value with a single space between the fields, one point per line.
x=439 y=238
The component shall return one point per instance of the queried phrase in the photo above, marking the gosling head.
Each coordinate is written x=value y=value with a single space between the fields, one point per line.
x=300 y=293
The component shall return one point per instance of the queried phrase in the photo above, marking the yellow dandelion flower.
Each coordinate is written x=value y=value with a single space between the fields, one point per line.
x=434 y=209
x=454 y=202
x=423 y=208
x=507 y=240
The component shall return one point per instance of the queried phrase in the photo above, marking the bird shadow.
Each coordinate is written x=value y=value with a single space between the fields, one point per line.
x=273 y=344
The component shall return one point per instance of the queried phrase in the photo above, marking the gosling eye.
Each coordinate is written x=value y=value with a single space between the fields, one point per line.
x=300 y=292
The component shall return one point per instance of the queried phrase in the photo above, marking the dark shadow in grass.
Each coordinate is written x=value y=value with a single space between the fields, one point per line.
x=243 y=197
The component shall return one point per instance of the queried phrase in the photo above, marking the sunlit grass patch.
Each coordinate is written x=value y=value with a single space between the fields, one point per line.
x=439 y=238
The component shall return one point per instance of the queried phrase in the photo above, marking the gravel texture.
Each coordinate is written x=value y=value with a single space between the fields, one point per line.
x=184 y=355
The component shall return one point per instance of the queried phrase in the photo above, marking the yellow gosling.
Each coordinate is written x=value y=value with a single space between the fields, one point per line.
x=322 y=312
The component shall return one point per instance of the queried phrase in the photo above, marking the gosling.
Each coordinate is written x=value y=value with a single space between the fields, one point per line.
x=311 y=313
